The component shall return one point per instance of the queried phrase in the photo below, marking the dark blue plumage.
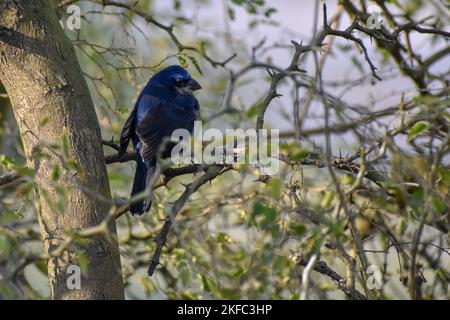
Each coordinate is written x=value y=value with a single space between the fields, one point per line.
x=165 y=104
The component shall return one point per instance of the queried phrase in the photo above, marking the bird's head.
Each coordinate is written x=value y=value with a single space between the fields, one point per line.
x=176 y=78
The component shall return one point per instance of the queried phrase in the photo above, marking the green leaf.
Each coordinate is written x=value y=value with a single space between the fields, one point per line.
x=5 y=245
x=83 y=262
x=238 y=272
x=61 y=200
x=327 y=199
x=254 y=109
x=224 y=238
x=182 y=61
x=122 y=110
x=276 y=187
x=7 y=161
x=8 y=217
x=298 y=229
x=205 y=283
x=75 y=166
x=203 y=45
x=231 y=13
x=280 y=262
x=315 y=244
x=7 y=292
x=65 y=144
x=300 y=155
x=347 y=179
x=402 y=225
x=55 y=172
x=336 y=227
x=442 y=275
x=187 y=294
x=25 y=171
x=419 y=128
x=438 y=205
x=269 y=214
x=269 y=12
x=185 y=277
x=195 y=63
x=445 y=176
x=41 y=266
x=251 y=8
x=426 y=100
x=44 y=122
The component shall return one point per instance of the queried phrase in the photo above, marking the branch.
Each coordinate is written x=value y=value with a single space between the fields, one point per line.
x=161 y=239
x=299 y=49
x=168 y=29
x=9 y=177
x=340 y=283
x=276 y=78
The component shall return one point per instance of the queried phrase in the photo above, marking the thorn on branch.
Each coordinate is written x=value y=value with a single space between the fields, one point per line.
x=186 y=185
x=296 y=44
x=325 y=17
x=271 y=73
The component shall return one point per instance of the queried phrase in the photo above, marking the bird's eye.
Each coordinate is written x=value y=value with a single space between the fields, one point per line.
x=180 y=82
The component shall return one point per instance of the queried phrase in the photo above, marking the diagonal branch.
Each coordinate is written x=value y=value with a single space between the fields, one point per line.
x=322 y=268
x=161 y=239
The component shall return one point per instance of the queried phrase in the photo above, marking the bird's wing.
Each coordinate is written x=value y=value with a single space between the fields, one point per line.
x=153 y=128
x=127 y=131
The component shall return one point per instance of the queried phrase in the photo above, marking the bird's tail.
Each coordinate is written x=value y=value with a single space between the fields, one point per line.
x=141 y=180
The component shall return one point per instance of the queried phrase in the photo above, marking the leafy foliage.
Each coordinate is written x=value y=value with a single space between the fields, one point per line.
x=365 y=174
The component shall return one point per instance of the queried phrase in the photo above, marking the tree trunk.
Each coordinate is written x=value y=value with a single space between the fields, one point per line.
x=51 y=103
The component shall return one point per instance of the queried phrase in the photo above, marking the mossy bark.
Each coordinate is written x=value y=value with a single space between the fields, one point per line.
x=50 y=99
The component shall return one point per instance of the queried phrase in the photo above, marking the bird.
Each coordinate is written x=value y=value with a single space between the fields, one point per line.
x=165 y=104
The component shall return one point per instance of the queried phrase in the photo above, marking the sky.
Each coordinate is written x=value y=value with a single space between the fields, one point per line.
x=296 y=22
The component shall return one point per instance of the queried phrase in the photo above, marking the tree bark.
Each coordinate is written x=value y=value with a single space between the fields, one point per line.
x=50 y=99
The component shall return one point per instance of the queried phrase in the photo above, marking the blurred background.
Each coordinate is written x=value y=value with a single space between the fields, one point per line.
x=237 y=238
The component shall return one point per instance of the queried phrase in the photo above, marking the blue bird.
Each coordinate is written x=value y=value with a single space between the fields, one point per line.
x=165 y=104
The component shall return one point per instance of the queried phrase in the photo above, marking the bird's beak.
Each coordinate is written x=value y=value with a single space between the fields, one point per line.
x=193 y=85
